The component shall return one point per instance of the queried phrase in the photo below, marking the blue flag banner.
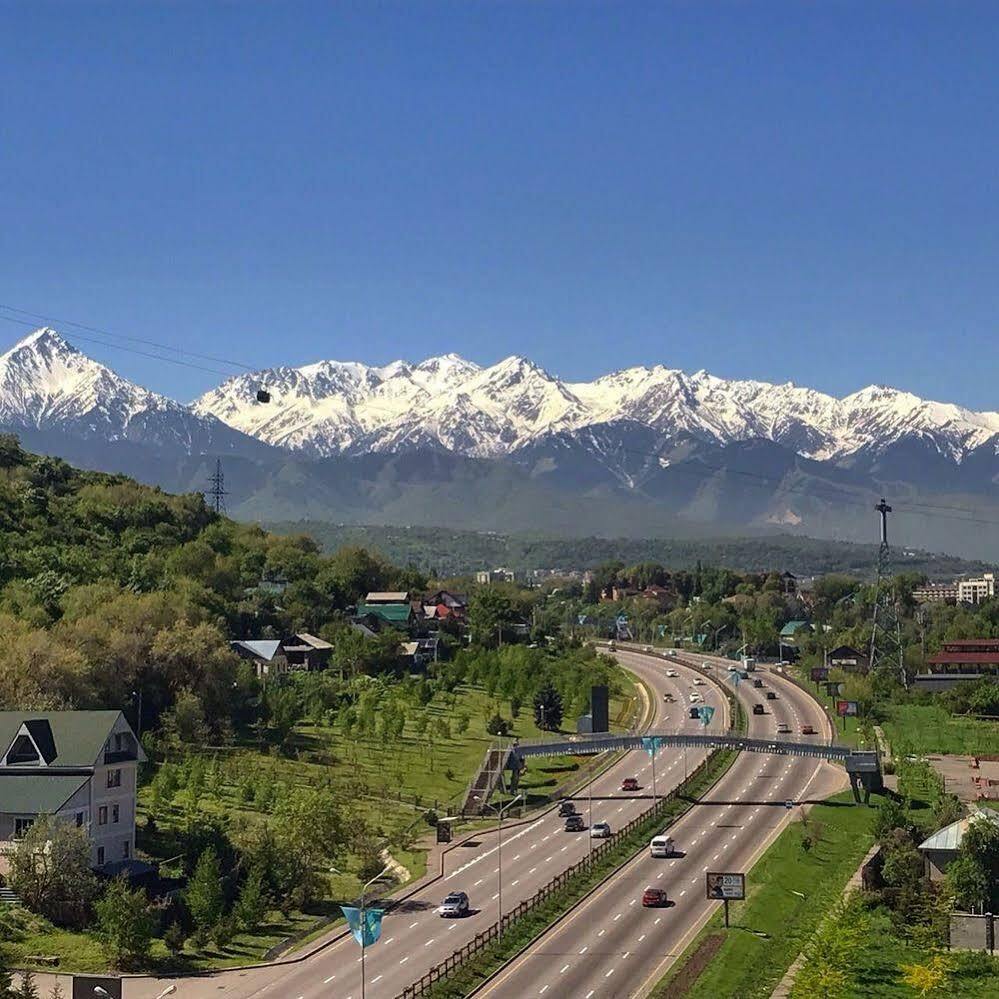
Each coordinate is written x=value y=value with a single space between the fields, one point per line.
x=369 y=933
x=707 y=713
x=652 y=744
x=582 y=619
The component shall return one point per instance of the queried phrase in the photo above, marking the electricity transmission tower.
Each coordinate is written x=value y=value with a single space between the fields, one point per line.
x=886 y=632
x=216 y=494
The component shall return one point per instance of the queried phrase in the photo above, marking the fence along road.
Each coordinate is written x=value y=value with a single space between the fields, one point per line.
x=611 y=946
x=414 y=937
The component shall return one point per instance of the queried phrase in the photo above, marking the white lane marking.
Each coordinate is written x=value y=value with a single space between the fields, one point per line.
x=590 y=993
x=411 y=925
x=517 y=882
x=684 y=891
x=617 y=917
x=429 y=942
x=373 y=980
x=564 y=970
x=404 y=960
x=506 y=840
x=477 y=883
x=601 y=933
x=641 y=938
x=583 y=951
x=625 y=954
x=609 y=973
x=544 y=989
x=496 y=896
x=328 y=980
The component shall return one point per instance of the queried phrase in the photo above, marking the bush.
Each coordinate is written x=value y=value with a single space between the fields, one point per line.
x=498 y=725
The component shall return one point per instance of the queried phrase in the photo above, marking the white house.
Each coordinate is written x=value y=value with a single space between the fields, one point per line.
x=79 y=766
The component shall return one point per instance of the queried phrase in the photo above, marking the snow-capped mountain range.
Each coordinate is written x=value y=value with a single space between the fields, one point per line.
x=335 y=407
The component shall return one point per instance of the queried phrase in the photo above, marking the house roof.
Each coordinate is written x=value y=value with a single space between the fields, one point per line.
x=409 y=648
x=311 y=640
x=363 y=629
x=387 y=597
x=261 y=648
x=847 y=650
x=945 y=658
x=950 y=837
x=67 y=738
x=394 y=613
x=32 y=794
x=792 y=627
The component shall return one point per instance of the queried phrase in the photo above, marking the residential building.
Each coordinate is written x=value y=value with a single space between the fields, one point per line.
x=791 y=629
x=396 y=615
x=266 y=654
x=79 y=766
x=500 y=575
x=958 y=662
x=942 y=847
x=974 y=591
x=935 y=593
x=849 y=659
x=306 y=652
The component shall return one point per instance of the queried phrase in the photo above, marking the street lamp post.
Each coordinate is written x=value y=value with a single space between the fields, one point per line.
x=363 y=923
x=500 y=809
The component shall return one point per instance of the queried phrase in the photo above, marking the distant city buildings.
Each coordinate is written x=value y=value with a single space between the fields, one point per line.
x=960 y=591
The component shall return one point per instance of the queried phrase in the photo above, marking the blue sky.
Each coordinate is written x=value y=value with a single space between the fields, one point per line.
x=783 y=191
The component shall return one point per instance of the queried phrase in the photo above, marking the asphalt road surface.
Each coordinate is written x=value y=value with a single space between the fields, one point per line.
x=611 y=945
x=414 y=936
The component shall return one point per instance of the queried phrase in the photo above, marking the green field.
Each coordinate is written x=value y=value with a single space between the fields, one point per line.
x=925 y=729
x=789 y=891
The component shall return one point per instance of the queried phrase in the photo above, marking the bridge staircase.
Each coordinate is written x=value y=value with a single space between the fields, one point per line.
x=485 y=782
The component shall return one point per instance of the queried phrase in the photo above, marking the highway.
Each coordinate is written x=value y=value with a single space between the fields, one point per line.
x=612 y=946
x=414 y=936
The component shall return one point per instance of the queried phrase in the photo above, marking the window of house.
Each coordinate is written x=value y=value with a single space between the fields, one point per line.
x=100 y=856
x=102 y=815
x=22 y=824
x=114 y=778
x=23 y=751
x=79 y=819
x=125 y=849
x=114 y=813
x=117 y=742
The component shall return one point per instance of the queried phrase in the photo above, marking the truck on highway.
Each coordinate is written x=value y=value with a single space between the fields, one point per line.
x=661 y=846
x=748 y=664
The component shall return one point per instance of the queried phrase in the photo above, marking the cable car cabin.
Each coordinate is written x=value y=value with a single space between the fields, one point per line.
x=263 y=395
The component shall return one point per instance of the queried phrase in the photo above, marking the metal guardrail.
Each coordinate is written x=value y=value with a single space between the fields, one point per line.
x=480 y=941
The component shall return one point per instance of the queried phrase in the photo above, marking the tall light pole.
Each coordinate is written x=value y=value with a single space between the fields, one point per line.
x=500 y=809
x=364 y=925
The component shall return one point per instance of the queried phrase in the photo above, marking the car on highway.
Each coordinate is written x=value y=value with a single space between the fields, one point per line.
x=771 y=695
x=600 y=830
x=699 y=682
x=758 y=709
x=784 y=729
x=574 y=823
x=807 y=730
x=661 y=846
x=672 y=673
x=705 y=665
x=757 y=682
x=455 y=905
x=695 y=697
x=695 y=712
x=654 y=898
x=668 y=697
x=566 y=807
x=629 y=784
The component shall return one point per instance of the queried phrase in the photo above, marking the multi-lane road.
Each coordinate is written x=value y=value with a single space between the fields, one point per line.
x=414 y=936
x=612 y=946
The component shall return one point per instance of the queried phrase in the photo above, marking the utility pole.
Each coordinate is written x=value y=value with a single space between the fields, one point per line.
x=217 y=493
x=886 y=632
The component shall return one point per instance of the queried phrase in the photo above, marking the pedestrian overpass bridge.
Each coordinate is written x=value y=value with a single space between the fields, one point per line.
x=863 y=767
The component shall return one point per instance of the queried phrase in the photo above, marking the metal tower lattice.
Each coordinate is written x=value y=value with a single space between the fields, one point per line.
x=217 y=493
x=886 y=632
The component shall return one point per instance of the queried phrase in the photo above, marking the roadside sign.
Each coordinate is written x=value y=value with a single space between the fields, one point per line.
x=833 y=688
x=725 y=885
x=820 y=673
x=444 y=830
x=844 y=708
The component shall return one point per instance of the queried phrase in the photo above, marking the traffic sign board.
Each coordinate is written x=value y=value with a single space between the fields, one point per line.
x=725 y=885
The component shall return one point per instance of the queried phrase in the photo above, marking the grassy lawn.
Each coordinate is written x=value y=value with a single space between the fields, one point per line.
x=852 y=734
x=925 y=729
x=770 y=928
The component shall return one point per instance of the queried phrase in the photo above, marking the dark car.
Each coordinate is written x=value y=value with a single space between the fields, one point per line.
x=757 y=682
x=771 y=696
x=758 y=709
x=695 y=712
x=566 y=807
x=574 y=823
x=629 y=784
x=654 y=898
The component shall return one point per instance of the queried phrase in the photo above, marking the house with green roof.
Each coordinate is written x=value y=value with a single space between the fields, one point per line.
x=79 y=766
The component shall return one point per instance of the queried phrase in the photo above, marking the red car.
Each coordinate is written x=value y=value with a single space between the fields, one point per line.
x=629 y=784
x=654 y=898
x=807 y=730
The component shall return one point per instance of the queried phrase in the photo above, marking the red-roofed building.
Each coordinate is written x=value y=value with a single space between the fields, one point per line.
x=960 y=661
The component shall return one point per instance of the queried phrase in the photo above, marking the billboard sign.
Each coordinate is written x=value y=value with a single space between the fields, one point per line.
x=725 y=885
x=833 y=688
x=820 y=673
x=845 y=708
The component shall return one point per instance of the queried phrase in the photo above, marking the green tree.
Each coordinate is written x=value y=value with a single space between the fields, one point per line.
x=175 y=938
x=251 y=907
x=204 y=894
x=124 y=924
x=967 y=882
x=51 y=872
x=548 y=708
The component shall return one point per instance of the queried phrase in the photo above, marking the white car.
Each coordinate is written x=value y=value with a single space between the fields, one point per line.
x=699 y=682
x=672 y=672
x=600 y=830
x=695 y=697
